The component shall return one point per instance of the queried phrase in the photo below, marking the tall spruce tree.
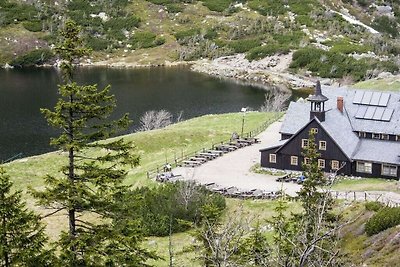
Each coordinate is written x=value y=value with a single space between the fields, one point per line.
x=92 y=179
x=22 y=237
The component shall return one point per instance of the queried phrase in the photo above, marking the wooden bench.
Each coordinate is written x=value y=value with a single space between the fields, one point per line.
x=218 y=152
x=208 y=156
x=190 y=163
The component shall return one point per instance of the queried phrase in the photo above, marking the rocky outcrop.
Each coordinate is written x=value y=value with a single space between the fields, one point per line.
x=269 y=70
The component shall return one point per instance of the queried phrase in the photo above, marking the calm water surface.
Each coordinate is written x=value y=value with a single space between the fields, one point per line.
x=23 y=92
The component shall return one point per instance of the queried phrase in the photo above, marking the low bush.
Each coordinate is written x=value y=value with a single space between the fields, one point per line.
x=267 y=50
x=384 y=219
x=348 y=48
x=34 y=57
x=122 y=23
x=146 y=40
x=386 y=25
x=182 y=36
x=97 y=43
x=33 y=26
x=173 y=206
x=244 y=45
x=217 y=5
x=328 y=64
x=373 y=206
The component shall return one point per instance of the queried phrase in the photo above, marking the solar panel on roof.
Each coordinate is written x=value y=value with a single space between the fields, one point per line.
x=369 y=113
x=383 y=101
x=378 y=113
x=361 y=112
x=367 y=98
x=387 y=115
x=375 y=98
x=358 y=97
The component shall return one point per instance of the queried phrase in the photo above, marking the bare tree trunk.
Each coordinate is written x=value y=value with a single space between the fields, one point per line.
x=71 y=177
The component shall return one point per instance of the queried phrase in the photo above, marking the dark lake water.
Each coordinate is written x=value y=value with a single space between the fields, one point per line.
x=23 y=92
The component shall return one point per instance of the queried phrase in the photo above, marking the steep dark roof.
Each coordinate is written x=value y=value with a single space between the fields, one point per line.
x=318 y=96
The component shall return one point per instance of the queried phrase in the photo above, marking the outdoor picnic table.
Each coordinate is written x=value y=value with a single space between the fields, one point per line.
x=226 y=147
x=218 y=152
x=198 y=159
x=247 y=142
x=253 y=140
x=238 y=144
x=208 y=155
x=191 y=163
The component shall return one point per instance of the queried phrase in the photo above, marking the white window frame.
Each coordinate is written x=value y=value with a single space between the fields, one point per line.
x=397 y=137
x=364 y=167
x=307 y=161
x=335 y=165
x=304 y=143
x=322 y=147
x=294 y=160
x=321 y=163
x=385 y=137
x=376 y=136
x=272 y=158
x=392 y=170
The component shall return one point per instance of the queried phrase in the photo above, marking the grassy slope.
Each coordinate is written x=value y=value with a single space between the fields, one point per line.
x=388 y=84
x=155 y=147
x=380 y=250
x=367 y=184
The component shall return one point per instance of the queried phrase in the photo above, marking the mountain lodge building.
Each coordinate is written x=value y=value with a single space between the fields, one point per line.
x=357 y=133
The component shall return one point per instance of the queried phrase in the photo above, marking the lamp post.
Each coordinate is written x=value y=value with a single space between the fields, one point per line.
x=243 y=110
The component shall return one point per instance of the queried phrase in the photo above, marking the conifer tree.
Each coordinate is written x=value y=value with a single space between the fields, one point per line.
x=92 y=179
x=22 y=237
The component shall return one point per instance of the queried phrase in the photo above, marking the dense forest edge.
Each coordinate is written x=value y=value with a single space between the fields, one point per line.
x=340 y=41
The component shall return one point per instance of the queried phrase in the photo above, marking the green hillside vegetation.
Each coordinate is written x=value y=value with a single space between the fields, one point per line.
x=155 y=31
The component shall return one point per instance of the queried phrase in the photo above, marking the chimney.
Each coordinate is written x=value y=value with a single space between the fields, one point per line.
x=340 y=103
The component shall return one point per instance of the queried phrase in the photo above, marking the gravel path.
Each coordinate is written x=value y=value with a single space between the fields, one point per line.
x=233 y=168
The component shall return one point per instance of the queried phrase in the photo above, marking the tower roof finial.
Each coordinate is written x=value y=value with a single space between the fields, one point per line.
x=318 y=96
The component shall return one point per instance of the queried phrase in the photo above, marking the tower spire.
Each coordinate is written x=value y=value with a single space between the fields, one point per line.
x=317 y=101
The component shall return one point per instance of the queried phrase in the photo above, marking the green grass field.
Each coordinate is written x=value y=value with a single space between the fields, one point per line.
x=155 y=147
x=389 y=84
x=367 y=184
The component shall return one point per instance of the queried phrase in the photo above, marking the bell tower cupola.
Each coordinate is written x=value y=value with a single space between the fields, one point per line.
x=317 y=101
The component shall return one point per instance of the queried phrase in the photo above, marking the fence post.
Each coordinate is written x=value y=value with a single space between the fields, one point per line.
x=354 y=193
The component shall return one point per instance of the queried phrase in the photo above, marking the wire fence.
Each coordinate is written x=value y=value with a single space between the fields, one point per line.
x=176 y=160
x=17 y=156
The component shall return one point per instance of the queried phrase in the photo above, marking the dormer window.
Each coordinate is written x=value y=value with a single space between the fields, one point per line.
x=362 y=134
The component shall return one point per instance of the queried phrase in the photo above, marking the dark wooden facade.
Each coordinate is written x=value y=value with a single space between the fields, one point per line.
x=332 y=152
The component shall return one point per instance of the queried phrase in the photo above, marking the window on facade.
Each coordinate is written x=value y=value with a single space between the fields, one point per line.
x=272 y=158
x=294 y=160
x=321 y=163
x=389 y=170
x=376 y=136
x=335 y=165
x=322 y=145
x=307 y=161
x=384 y=136
x=397 y=137
x=365 y=167
x=304 y=143
x=314 y=130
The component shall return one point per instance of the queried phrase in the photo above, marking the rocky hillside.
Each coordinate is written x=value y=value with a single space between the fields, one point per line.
x=348 y=39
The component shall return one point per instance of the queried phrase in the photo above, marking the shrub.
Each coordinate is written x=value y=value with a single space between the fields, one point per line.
x=386 y=25
x=34 y=57
x=384 y=219
x=178 y=205
x=146 y=40
x=373 y=206
x=122 y=23
x=217 y=5
x=348 y=48
x=33 y=26
x=328 y=64
x=244 y=45
x=182 y=36
x=267 y=7
x=267 y=50
x=97 y=44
